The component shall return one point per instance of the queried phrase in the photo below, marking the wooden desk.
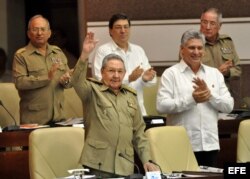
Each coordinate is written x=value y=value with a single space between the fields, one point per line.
x=14 y=155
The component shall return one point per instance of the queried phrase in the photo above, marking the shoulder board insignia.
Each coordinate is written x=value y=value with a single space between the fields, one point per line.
x=94 y=80
x=127 y=88
x=223 y=36
x=54 y=47
x=21 y=50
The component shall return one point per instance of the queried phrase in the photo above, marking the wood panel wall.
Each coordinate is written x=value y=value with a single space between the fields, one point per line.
x=101 y=10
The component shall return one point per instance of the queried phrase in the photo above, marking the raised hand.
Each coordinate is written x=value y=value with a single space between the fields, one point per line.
x=88 y=45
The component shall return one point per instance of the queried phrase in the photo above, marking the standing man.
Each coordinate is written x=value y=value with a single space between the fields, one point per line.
x=40 y=74
x=139 y=73
x=192 y=94
x=219 y=49
x=113 y=123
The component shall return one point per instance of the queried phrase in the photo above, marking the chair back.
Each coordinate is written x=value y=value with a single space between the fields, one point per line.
x=53 y=151
x=10 y=99
x=149 y=95
x=171 y=149
x=243 y=142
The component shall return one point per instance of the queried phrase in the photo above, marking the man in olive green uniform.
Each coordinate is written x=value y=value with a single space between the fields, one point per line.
x=40 y=74
x=219 y=49
x=113 y=121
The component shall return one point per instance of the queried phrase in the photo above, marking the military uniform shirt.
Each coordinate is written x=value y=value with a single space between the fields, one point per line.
x=218 y=53
x=41 y=99
x=113 y=125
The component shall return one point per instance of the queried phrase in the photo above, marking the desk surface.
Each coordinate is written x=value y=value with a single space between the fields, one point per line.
x=185 y=174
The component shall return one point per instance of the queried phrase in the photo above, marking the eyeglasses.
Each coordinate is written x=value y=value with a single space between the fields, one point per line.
x=113 y=70
x=211 y=23
x=37 y=29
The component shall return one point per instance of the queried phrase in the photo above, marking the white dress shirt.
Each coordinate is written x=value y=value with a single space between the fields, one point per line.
x=134 y=57
x=200 y=119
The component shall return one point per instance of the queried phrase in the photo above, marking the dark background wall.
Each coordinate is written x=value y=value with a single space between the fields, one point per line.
x=101 y=10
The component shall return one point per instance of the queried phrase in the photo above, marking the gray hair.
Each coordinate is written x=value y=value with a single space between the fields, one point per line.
x=192 y=34
x=109 y=57
x=216 y=11
x=35 y=17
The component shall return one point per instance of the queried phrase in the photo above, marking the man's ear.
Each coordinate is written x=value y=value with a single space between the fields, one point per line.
x=50 y=32
x=220 y=26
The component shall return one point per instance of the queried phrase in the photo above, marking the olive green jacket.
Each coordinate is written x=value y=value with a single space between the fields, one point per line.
x=41 y=99
x=218 y=53
x=113 y=125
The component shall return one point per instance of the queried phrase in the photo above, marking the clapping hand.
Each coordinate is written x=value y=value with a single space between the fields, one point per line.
x=136 y=73
x=201 y=92
x=149 y=74
x=225 y=67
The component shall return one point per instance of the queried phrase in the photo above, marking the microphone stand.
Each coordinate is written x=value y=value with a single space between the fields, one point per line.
x=11 y=127
x=135 y=175
x=162 y=175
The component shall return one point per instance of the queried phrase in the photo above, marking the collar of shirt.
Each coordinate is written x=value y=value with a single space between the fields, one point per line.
x=122 y=89
x=219 y=38
x=184 y=66
x=32 y=49
x=115 y=47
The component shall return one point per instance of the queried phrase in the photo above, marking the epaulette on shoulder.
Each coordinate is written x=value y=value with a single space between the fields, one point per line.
x=54 y=47
x=21 y=50
x=94 y=80
x=224 y=36
x=127 y=88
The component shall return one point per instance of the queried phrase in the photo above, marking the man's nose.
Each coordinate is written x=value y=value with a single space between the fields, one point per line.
x=196 y=50
x=116 y=74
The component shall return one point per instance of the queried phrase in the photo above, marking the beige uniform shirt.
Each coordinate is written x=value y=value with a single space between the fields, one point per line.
x=41 y=99
x=218 y=53
x=113 y=125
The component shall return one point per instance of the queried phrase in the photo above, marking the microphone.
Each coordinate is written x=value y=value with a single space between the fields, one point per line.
x=11 y=127
x=137 y=175
x=162 y=175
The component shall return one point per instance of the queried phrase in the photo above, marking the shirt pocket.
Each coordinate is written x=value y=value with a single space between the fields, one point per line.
x=36 y=70
x=105 y=110
x=62 y=67
x=132 y=107
x=96 y=150
x=129 y=153
x=227 y=53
